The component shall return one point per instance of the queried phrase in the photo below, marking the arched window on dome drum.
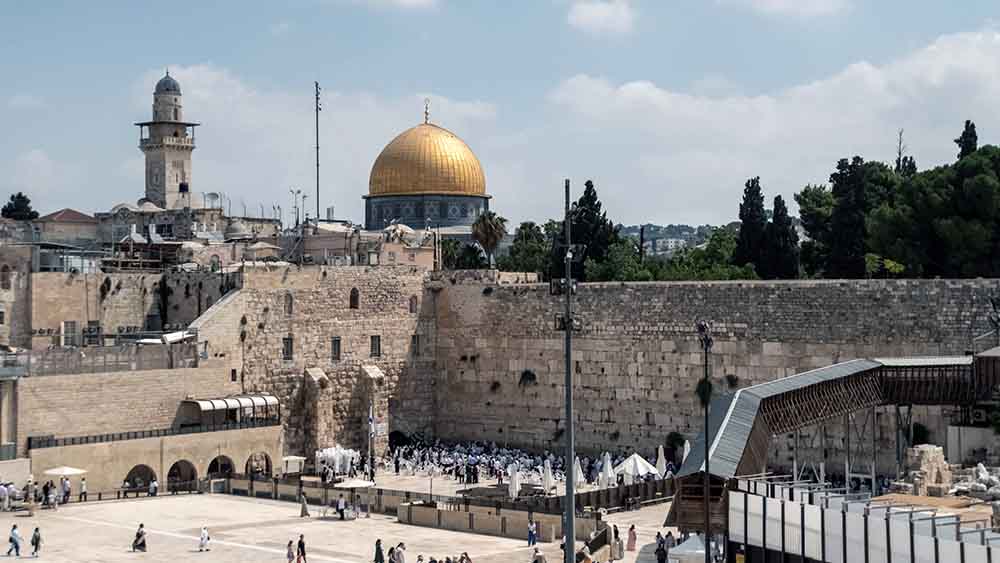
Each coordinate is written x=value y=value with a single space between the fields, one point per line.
x=355 y=298
x=5 y=277
x=413 y=303
x=289 y=304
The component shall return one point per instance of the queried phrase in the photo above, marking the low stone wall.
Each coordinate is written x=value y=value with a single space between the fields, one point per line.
x=506 y=523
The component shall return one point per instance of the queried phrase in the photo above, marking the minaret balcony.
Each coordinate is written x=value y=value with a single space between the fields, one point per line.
x=187 y=142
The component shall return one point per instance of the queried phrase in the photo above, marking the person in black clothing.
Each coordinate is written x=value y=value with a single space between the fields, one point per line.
x=302 y=549
x=661 y=554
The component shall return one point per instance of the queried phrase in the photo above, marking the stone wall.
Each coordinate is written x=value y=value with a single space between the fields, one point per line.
x=15 y=330
x=246 y=331
x=500 y=367
x=98 y=403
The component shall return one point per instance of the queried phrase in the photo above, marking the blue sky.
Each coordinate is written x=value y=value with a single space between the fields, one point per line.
x=669 y=105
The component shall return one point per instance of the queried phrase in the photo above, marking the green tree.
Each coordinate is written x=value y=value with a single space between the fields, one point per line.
x=815 y=208
x=968 y=141
x=488 y=230
x=450 y=249
x=847 y=221
x=529 y=252
x=591 y=227
x=711 y=261
x=753 y=221
x=18 y=208
x=621 y=264
x=781 y=248
x=470 y=257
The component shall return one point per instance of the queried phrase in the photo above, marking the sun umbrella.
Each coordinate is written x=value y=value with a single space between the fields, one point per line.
x=577 y=473
x=608 y=470
x=687 y=450
x=548 y=483
x=512 y=482
x=661 y=462
x=354 y=484
x=635 y=466
x=65 y=471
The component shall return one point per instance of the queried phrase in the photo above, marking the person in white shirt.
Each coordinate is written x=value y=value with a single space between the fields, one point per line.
x=341 y=506
x=203 y=540
x=4 y=499
x=83 y=489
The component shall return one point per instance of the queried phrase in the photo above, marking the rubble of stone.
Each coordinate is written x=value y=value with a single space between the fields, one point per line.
x=927 y=473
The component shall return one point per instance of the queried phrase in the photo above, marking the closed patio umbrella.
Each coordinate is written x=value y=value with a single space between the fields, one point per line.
x=661 y=462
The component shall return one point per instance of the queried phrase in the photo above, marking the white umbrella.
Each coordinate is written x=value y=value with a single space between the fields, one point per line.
x=635 y=466
x=577 y=473
x=548 y=483
x=513 y=484
x=687 y=450
x=608 y=470
x=661 y=462
x=65 y=471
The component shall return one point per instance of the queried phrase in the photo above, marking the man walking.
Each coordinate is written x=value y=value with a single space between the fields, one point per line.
x=302 y=550
x=83 y=489
x=532 y=532
x=67 y=488
x=341 y=506
x=15 y=542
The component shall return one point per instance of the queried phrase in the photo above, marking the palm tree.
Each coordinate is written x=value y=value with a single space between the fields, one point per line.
x=488 y=230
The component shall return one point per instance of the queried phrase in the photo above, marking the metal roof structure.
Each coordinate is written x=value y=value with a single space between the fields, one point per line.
x=238 y=402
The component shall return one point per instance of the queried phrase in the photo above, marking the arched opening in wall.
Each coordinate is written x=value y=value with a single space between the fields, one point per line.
x=215 y=263
x=139 y=477
x=413 y=304
x=355 y=298
x=182 y=476
x=397 y=439
x=5 y=277
x=258 y=466
x=220 y=467
x=289 y=304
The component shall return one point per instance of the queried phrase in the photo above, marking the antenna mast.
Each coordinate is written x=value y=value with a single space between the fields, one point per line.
x=318 y=109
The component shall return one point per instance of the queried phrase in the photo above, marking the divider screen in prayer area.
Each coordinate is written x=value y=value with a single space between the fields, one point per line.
x=831 y=526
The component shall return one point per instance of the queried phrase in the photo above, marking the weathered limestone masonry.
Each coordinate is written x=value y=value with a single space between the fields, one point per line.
x=637 y=361
x=98 y=403
x=302 y=311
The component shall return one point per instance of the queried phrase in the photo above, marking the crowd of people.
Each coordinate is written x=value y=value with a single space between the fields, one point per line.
x=468 y=463
x=15 y=540
x=397 y=554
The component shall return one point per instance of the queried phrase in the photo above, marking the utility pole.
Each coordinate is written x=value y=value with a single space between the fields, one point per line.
x=569 y=530
x=705 y=337
x=319 y=108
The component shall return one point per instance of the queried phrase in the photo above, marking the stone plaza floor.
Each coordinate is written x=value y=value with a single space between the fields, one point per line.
x=253 y=530
x=242 y=529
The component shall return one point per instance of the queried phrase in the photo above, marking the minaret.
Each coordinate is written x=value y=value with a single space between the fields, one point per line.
x=167 y=141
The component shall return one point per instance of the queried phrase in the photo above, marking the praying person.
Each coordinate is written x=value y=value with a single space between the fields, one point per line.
x=304 y=512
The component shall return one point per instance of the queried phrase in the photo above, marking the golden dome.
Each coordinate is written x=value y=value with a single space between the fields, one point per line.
x=427 y=159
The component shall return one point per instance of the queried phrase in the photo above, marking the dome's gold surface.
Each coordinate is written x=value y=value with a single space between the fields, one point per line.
x=427 y=159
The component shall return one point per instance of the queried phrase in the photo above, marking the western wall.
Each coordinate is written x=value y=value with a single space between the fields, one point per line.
x=489 y=363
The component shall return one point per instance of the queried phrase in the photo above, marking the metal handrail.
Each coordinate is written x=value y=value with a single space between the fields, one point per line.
x=37 y=442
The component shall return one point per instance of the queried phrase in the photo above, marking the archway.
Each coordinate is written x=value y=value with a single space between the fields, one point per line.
x=220 y=467
x=258 y=466
x=139 y=477
x=182 y=476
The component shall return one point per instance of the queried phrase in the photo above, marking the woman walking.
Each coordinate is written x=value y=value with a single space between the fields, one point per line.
x=291 y=552
x=630 y=546
x=379 y=556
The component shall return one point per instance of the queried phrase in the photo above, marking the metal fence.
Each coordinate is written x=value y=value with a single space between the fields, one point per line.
x=98 y=359
x=36 y=442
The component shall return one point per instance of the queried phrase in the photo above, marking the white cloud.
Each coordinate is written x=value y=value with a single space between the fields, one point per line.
x=602 y=17
x=280 y=28
x=797 y=8
x=24 y=101
x=685 y=156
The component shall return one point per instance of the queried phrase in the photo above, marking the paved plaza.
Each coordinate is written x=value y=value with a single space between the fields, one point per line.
x=250 y=530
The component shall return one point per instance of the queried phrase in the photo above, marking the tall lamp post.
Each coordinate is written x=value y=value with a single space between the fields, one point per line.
x=569 y=530
x=705 y=395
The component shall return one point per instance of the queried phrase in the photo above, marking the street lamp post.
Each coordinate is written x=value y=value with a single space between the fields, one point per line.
x=569 y=530
x=705 y=337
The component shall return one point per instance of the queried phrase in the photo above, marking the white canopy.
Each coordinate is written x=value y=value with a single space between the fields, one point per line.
x=635 y=466
x=691 y=551
x=607 y=471
x=65 y=471
x=514 y=482
x=661 y=462
x=687 y=450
